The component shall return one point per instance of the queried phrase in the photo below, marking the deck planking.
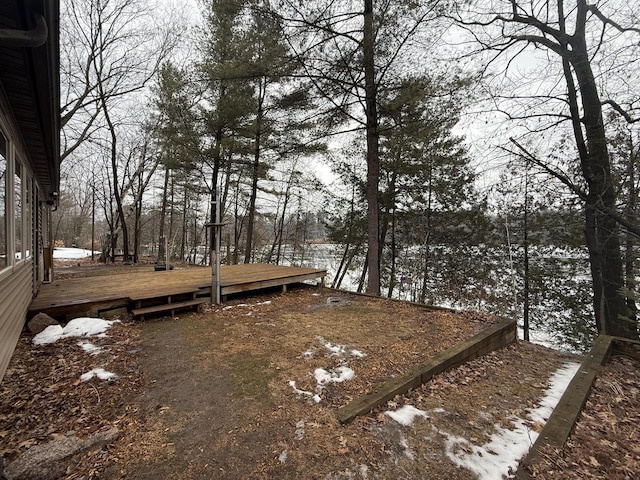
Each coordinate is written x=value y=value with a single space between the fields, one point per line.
x=92 y=295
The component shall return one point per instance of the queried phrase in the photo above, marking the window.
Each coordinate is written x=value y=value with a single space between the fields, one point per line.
x=17 y=206
x=28 y=217
x=3 y=201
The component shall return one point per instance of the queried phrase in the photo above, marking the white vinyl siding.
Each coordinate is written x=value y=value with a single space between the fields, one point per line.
x=15 y=298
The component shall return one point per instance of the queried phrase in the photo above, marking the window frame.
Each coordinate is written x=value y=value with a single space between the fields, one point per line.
x=18 y=209
x=25 y=224
x=8 y=260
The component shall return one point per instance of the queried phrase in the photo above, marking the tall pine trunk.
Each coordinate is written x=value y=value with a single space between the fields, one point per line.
x=373 y=161
x=255 y=171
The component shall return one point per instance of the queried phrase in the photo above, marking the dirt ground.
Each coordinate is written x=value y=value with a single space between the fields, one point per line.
x=209 y=395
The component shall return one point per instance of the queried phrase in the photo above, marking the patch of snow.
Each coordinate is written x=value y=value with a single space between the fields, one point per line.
x=228 y=307
x=406 y=449
x=334 y=350
x=508 y=445
x=557 y=385
x=101 y=373
x=78 y=327
x=337 y=375
x=406 y=415
x=304 y=393
x=283 y=456
x=316 y=295
x=89 y=348
x=64 y=253
x=300 y=430
x=86 y=327
x=339 y=351
x=268 y=302
x=51 y=334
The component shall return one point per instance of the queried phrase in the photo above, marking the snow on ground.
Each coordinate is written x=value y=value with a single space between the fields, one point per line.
x=339 y=351
x=283 y=456
x=337 y=375
x=229 y=307
x=502 y=454
x=558 y=384
x=304 y=393
x=89 y=348
x=406 y=415
x=507 y=446
x=64 y=253
x=323 y=377
x=300 y=430
x=78 y=327
x=101 y=373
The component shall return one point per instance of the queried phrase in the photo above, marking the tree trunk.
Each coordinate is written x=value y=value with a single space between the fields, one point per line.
x=629 y=264
x=364 y=272
x=427 y=238
x=373 y=163
x=116 y=186
x=136 y=229
x=183 y=240
x=343 y=261
x=525 y=313
x=237 y=226
x=254 y=175
x=347 y=266
x=596 y=169
x=163 y=214
x=217 y=160
x=394 y=253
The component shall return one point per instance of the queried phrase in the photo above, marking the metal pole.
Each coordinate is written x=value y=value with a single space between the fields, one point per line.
x=218 y=232
x=215 y=251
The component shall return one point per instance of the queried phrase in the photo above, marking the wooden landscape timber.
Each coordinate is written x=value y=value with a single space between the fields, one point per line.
x=492 y=338
x=565 y=415
x=149 y=292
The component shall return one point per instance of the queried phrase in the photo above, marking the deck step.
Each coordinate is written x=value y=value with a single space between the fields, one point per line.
x=165 y=307
x=162 y=291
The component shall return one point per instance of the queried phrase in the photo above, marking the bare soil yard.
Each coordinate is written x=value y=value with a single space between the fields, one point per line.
x=210 y=395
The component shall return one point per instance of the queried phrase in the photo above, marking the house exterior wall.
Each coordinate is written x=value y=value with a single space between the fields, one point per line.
x=15 y=297
x=29 y=161
x=22 y=235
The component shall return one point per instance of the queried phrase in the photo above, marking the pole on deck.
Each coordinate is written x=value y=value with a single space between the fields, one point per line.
x=215 y=252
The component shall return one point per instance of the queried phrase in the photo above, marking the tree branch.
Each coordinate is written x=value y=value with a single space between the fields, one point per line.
x=621 y=111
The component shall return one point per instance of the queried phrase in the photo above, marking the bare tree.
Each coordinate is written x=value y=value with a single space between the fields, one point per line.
x=579 y=37
x=122 y=53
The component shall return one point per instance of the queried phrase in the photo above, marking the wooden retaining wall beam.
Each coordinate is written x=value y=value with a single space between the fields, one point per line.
x=558 y=428
x=492 y=338
x=561 y=422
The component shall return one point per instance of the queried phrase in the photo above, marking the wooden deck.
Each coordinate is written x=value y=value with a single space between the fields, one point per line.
x=99 y=294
